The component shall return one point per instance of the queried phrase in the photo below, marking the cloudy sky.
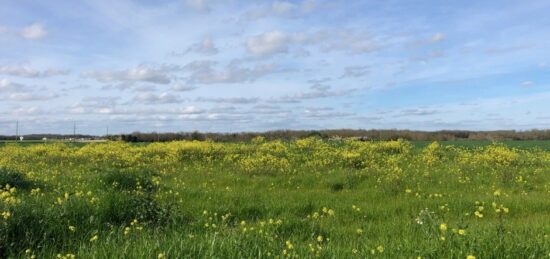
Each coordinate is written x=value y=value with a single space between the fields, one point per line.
x=228 y=65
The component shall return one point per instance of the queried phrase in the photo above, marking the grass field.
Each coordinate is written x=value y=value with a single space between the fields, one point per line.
x=306 y=198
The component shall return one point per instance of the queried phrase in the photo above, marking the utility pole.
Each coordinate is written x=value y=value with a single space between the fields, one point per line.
x=107 y=135
x=17 y=131
x=74 y=131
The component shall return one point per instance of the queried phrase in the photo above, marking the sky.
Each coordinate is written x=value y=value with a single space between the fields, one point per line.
x=231 y=66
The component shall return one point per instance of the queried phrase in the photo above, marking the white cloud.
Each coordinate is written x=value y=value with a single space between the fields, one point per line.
x=28 y=111
x=438 y=37
x=163 y=98
x=527 y=83
x=200 y=5
x=181 y=87
x=205 y=47
x=281 y=9
x=203 y=72
x=25 y=71
x=34 y=31
x=349 y=41
x=232 y=100
x=25 y=97
x=355 y=71
x=9 y=86
x=316 y=93
x=138 y=74
x=268 y=43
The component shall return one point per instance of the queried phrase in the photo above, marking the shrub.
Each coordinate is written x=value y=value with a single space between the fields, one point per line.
x=14 y=179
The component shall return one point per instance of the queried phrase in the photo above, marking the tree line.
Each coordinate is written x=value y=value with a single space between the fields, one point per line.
x=412 y=135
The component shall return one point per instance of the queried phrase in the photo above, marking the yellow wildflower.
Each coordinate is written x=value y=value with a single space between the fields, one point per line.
x=443 y=227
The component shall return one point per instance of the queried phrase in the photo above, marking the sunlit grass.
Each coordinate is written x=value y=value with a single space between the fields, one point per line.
x=306 y=198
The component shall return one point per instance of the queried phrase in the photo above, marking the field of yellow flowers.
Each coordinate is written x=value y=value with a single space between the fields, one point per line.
x=273 y=199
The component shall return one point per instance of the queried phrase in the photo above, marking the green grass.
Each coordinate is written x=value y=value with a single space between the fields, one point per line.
x=521 y=144
x=331 y=200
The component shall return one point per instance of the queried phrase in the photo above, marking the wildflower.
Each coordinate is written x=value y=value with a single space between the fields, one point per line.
x=35 y=191
x=289 y=245
x=470 y=257
x=319 y=238
x=380 y=249
x=6 y=215
x=72 y=228
x=497 y=193
x=94 y=238
x=161 y=256
x=478 y=214
x=359 y=231
x=443 y=227
x=462 y=232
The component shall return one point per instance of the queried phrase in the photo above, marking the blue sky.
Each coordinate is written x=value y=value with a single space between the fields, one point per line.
x=227 y=65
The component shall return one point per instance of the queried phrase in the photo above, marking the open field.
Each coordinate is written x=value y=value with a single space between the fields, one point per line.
x=271 y=199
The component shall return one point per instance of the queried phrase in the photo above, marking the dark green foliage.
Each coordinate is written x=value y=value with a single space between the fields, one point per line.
x=14 y=179
x=128 y=180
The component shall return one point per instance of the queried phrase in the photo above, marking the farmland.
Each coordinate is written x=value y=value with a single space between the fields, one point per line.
x=272 y=199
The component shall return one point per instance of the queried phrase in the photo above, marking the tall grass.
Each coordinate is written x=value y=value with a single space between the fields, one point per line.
x=270 y=199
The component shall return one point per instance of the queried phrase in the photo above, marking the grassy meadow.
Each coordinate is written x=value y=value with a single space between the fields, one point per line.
x=270 y=199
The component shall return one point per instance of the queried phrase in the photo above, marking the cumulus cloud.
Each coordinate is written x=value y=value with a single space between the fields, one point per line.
x=27 y=97
x=527 y=83
x=355 y=71
x=232 y=100
x=350 y=41
x=151 y=98
x=200 y=5
x=28 y=111
x=286 y=9
x=26 y=71
x=181 y=87
x=99 y=105
x=416 y=112
x=205 y=47
x=138 y=74
x=275 y=42
x=34 y=31
x=315 y=93
x=320 y=87
x=268 y=43
x=316 y=114
x=9 y=86
x=438 y=37
x=204 y=72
